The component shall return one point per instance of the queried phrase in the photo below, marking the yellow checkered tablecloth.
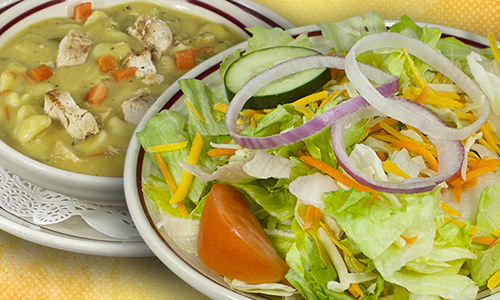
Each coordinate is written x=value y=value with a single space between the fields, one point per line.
x=31 y=271
x=477 y=16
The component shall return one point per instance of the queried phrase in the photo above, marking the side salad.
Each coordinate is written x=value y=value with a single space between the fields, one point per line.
x=362 y=163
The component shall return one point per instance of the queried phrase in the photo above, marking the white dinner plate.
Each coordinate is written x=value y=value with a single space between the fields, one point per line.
x=74 y=234
x=138 y=167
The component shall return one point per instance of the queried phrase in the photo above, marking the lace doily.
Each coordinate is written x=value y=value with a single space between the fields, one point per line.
x=25 y=199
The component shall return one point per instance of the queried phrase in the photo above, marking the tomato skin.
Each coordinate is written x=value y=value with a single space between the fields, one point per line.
x=231 y=241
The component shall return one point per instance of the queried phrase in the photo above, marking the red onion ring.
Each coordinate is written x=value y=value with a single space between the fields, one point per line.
x=389 y=86
x=450 y=152
x=431 y=56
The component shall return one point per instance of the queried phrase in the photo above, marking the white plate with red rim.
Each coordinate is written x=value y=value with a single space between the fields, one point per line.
x=74 y=234
x=138 y=166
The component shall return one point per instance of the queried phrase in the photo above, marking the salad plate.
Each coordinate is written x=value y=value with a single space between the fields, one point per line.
x=138 y=166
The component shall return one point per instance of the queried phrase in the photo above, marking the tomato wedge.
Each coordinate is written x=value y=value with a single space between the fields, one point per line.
x=231 y=241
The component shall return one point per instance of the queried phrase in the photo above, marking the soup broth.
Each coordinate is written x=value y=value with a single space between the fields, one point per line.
x=25 y=126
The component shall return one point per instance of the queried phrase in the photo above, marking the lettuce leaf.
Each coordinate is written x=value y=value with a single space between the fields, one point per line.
x=308 y=272
x=265 y=38
x=488 y=219
x=344 y=34
x=203 y=99
x=170 y=127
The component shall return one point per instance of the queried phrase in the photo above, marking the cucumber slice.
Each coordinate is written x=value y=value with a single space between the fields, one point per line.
x=285 y=90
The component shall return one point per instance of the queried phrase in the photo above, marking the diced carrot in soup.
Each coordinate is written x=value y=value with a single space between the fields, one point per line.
x=97 y=94
x=82 y=11
x=40 y=73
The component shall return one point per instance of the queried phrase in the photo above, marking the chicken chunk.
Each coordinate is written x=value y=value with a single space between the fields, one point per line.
x=153 y=33
x=73 y=49
x=79 y=123
x=135 y=108
x=145 y=67
x=64 y=152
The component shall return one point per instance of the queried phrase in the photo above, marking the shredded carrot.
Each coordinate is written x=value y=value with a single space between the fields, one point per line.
x=409 y=240
x=486 y=161
x=97 y=94
x=497 y=240
x=185 y=59
x=452 y=178
x=433 y=164
x=403 y=137
x=124 y=74
x=187 y=177
x=221 y=152
x=40 y=73
x=107 y=63
x=337 y=175
x=425 y=91
x=170 y=182
x=470 y=183
x=494 y=47
x=485 y=240
x=474 y=173
x=82 y=11
x=393 y=168
x=494 y=280
x=457 y=193
x=252 y=122
x=381 y=155
x=313 y=214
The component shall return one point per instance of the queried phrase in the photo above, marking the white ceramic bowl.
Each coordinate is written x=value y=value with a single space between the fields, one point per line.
x=109 y=190
x=145 y=215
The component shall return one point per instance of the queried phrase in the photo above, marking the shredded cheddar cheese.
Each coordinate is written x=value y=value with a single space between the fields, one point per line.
x=304 y=101
x=302 y=109
x=194 y=110
x=186 y=179
x=167 y=147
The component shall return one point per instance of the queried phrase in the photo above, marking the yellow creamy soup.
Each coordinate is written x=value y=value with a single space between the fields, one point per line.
x=27 y=125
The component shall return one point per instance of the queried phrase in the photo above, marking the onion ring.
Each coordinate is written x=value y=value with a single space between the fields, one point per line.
x=430 y=56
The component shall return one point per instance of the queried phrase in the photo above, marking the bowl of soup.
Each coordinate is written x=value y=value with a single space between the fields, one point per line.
x=76 y=77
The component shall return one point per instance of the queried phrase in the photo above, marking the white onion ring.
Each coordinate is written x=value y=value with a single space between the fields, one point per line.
x=389 y=86
x=432 y=57
x=450 y=152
